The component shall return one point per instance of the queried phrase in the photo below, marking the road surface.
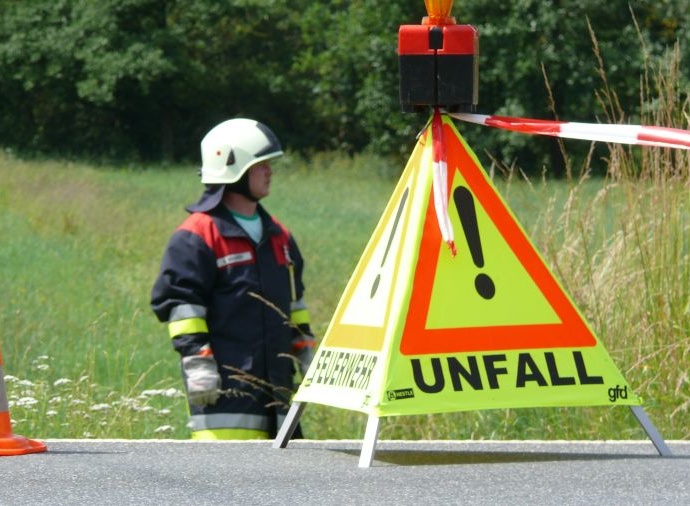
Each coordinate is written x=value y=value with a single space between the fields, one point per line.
x=308 y=472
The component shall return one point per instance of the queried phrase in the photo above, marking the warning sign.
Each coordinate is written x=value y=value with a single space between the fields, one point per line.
x=420 y=330
x=346 y=371
x=503 y=295
x=361 y=317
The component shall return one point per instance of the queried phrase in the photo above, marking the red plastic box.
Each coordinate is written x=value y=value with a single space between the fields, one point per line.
x=438 y=67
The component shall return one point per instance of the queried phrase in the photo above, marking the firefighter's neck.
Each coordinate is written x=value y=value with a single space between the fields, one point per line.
x=239 y=203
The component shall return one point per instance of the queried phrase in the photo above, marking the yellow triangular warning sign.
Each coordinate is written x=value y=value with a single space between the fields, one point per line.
x=419 y=330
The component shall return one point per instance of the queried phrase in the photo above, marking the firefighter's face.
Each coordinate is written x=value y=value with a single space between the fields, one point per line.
x=260 y=179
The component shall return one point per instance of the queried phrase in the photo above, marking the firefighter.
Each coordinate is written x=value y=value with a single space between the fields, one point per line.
x=230 y=290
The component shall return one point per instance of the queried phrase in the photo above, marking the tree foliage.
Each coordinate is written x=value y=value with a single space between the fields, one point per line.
x=145 y=79
x=538 y=60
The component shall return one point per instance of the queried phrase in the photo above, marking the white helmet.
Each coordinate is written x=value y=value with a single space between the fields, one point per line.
x=231 y=147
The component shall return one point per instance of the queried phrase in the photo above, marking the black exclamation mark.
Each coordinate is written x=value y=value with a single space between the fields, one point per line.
x=464 y=203
x=375 y=286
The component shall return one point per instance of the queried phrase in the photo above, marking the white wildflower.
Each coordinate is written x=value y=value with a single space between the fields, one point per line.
x=10 y=379
x=168 y=392
x=61 y=381
x=164 y=428
x=51 y=412
x=100 y=407
x=26 y=401
x=125 y=401
x=151 y=393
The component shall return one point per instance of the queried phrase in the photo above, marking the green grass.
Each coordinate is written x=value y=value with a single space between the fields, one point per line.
x=85 y=357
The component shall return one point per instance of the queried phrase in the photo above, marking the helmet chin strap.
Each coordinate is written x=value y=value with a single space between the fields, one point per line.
x=241 y=186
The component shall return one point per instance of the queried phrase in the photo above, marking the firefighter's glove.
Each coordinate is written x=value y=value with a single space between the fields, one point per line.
x=303 y=347
x=202 y=379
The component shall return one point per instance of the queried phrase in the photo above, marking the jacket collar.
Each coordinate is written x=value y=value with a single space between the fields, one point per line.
x=228 y=226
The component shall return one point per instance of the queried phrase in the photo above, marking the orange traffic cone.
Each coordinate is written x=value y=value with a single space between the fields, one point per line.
x=10 y=444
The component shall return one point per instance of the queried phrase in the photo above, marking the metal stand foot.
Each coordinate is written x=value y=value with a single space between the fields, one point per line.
x=651 y=431
x=369 y=443
x=289 y=425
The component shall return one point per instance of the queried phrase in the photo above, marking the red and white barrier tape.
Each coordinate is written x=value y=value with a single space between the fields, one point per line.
x=440 y=181
x=620 y=134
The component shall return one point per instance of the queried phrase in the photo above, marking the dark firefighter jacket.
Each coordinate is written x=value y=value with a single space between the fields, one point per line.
x=217 y=286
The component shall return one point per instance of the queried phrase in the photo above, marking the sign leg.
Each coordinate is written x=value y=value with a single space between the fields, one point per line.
x=289 y=425
x=369 y=443
x=651 y=431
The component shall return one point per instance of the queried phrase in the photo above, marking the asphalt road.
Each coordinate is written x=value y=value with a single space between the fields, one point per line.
x=118 y=472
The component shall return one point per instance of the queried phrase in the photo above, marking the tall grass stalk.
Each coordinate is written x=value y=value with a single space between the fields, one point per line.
x=623 y=254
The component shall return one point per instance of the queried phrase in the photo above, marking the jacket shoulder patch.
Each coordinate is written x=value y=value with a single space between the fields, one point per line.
x=228 y=251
